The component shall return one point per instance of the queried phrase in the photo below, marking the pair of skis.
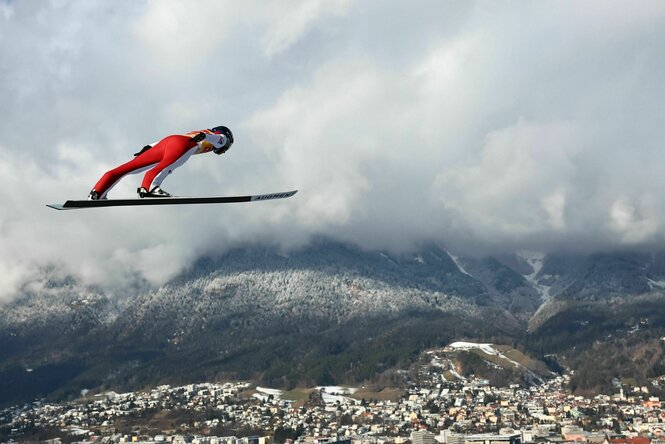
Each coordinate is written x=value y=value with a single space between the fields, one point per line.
x=78 y=204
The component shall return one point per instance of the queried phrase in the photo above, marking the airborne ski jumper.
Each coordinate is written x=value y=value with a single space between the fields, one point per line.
x=161 y=158
x=158 y=161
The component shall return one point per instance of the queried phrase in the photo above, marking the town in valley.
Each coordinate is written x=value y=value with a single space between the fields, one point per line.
x=430 y=409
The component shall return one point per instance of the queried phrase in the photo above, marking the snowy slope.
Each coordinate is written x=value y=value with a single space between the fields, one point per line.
x=536 y=260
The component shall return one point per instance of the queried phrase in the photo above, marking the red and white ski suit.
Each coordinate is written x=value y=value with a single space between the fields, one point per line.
x=160 y=160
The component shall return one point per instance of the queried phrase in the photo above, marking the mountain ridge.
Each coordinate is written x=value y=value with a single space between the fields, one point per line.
x=328 y=313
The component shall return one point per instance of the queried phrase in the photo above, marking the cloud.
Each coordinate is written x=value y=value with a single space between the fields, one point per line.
x=635 y=222
x=89 y=245
x=294 y=18
x=178 y=36
x=320 y=151
x=477 y=125
x=517 y=187
x=13 y=276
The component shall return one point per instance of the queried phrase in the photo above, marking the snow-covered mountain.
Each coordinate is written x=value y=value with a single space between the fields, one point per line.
x=326 y=314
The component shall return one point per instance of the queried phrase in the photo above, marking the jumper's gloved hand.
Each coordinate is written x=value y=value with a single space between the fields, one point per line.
x=199 y=137
x=143 y=150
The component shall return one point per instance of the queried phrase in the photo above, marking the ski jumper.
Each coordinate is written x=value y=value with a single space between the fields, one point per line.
x=159 y=160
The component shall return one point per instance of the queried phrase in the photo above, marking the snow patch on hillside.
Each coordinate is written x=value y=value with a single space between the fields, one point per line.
x=466 y=346
x=457 y=262
x=656 y=284
x=536 y=261
x=264 y=393
x=334 y=394
x=453 y=370
x=337 y=390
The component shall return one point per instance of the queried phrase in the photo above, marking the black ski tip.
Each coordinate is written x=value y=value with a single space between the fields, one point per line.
x=57 y=206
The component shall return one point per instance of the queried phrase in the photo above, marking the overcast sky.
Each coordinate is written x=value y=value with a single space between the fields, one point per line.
x=479 y=125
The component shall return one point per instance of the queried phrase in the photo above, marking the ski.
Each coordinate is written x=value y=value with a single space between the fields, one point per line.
x=148 y=201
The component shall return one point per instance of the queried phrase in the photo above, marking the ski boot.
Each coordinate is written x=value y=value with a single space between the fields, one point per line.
x=94 y=195
x=155 y=192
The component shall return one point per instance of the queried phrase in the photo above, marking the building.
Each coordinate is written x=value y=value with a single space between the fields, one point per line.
x=452 y=438
x=514 y=438
x=422 y=437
